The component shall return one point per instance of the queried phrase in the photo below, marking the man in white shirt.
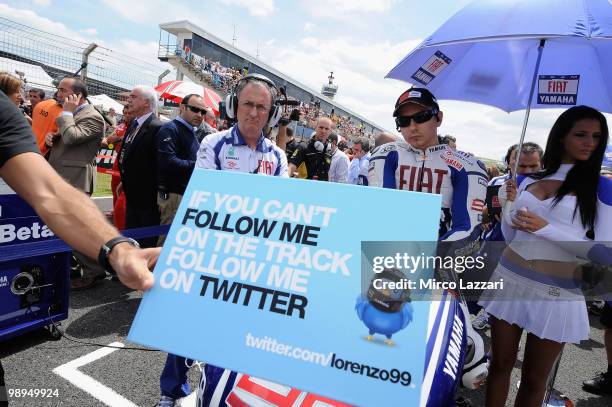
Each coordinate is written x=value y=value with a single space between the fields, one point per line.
x=339 y=167
x=358 y=172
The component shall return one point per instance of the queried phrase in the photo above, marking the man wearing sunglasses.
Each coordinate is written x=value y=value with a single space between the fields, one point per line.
x=421 y=162
x=176 y=156
x=178 y=146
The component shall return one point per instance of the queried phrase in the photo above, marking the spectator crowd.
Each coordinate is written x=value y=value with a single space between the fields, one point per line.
x=224 y=79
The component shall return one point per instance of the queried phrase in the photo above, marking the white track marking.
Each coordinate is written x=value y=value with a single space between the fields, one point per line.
x=189 y=401
x=106 y=395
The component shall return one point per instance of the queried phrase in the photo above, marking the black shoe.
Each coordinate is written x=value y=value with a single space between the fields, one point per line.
x=461 y=402
x=86 y=282
x=76 y=270
x=596 y=307
x=600 y=384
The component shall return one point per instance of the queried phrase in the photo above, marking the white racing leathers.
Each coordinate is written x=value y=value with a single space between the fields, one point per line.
x=462 y=181
x=459 y=177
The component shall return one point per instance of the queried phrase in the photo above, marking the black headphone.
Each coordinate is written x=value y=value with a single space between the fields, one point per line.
x=321 y=146
x=231 y=101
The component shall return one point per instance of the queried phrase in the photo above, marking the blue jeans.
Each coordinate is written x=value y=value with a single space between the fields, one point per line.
x=173 y=380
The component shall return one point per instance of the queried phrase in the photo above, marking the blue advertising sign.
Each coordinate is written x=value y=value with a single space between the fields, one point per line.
x=18 y=221
x=431 y=68
x=262 y=275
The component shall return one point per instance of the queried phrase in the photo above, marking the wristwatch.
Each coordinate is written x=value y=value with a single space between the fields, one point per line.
x=108 y=247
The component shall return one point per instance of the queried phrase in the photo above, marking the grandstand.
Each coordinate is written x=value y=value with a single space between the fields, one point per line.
x=42 y=56
x=183 y=38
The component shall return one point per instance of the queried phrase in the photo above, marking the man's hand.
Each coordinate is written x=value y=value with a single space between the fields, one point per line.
x=133 y=265
x=293 y=171
x=510 y=186
x=49 y=137
x=104 y=142
x=113 y=138
x=71 y=103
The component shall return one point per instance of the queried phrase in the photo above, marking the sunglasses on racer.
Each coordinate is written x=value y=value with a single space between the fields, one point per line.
x=419 y=118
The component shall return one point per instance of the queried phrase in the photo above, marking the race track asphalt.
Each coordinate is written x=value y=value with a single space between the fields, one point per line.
x=103 y=315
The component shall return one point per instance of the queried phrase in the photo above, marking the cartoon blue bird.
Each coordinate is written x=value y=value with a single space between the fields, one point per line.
x=385 y=311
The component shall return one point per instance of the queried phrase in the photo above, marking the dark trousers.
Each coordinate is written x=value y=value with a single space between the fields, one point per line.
x=3 y=394
x=473 y=307
x=90 y=266
x=138 y=218
x=173 y=381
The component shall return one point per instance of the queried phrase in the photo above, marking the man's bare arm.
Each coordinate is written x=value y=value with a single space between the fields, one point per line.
x=74 y=217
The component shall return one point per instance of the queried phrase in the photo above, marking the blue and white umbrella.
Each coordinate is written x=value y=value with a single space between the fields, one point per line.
x=489 y=53
x=519 y=54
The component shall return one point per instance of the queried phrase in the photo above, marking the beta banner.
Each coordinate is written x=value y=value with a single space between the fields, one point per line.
x=261 y=275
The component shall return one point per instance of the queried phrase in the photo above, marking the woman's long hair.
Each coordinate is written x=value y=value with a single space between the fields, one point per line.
x=583 y=178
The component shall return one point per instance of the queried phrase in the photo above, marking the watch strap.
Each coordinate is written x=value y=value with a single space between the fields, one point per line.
x=107 y=247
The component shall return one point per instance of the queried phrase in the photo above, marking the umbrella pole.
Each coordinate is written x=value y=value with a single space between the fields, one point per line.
x=550 y=383
x=526 y=120
x=507 y=209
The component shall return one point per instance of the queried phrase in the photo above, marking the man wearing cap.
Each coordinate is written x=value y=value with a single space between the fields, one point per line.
x=421 y=163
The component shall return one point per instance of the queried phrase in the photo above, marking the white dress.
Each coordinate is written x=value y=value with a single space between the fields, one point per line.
x=549 y=307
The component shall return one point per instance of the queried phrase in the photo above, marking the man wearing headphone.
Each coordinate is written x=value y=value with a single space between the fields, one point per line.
x=317 y=154
x=244 y=147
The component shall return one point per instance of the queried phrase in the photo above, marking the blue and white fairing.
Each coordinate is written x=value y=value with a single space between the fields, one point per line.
x=446 y=352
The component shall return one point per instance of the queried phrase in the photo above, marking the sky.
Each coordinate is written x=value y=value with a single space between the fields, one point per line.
x=359 y=40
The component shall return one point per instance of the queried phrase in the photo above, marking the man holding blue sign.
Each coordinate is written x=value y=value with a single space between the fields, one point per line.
x=250 y=269
x=242 y=148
